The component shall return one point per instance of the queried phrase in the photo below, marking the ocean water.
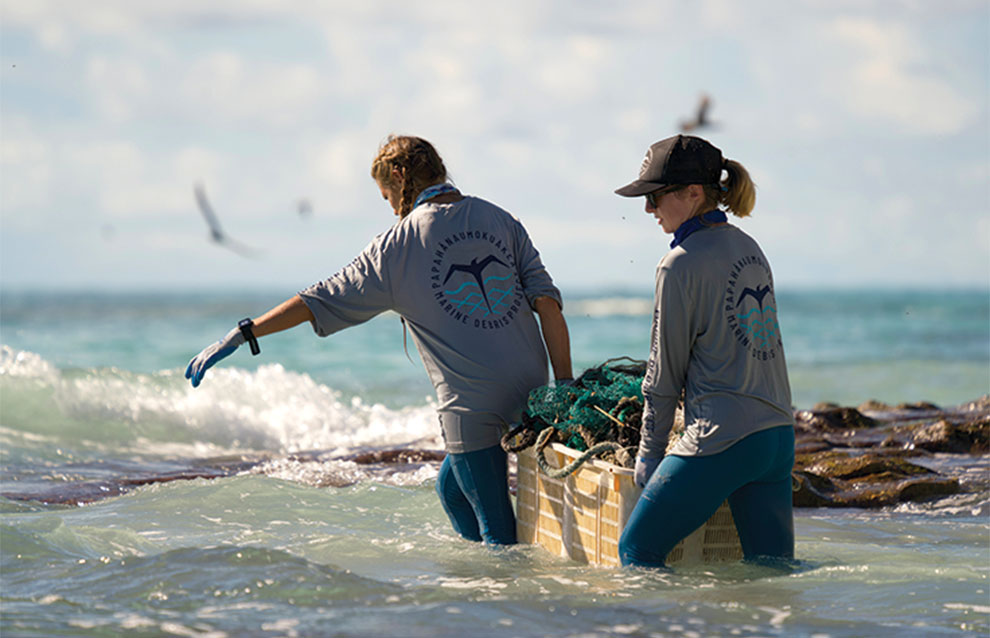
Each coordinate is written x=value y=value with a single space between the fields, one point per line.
x=275 y=530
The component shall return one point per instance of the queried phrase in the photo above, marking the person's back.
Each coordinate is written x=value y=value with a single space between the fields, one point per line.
x=468 y=303
x=736 y=381
x=463 y=275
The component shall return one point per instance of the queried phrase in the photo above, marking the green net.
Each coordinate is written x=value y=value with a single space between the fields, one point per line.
x=604 y=404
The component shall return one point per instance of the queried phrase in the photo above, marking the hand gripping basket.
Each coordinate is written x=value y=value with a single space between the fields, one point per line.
x=582 y=515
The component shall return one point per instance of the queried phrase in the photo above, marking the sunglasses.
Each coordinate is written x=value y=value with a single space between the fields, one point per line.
x=655 y=196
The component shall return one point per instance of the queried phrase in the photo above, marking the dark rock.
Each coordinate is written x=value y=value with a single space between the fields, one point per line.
x=847 y=467
x=971 y=437
x=851 y=478
x=875 y=406
x=890 y=441
x=825 y=405
x=811 y=445
x=920 y=406
x=889 y=493
x=811 y=490
x=397 y=456
x=928 y=488
x=981 y=405
x=832 y=419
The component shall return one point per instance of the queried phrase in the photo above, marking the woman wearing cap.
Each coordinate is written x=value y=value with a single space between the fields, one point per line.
x=715 y=337
x=466 y=279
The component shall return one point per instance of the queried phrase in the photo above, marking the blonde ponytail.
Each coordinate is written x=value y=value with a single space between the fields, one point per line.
x=739 y=194
x=736 y=193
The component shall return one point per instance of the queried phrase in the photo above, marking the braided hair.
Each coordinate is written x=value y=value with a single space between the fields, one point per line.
x=417 y=163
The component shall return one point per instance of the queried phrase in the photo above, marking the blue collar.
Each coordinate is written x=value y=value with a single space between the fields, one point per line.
x=433 y=191
x=697 y=222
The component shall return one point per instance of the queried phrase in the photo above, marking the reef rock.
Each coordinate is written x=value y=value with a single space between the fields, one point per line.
x=829 y=417
x=969 y=437
x=862 y=457
x=872 y=479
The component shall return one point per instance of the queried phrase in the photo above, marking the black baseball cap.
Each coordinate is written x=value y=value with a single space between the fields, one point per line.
x=682 y=159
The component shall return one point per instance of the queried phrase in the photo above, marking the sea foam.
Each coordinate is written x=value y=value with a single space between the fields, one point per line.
x=271 y=410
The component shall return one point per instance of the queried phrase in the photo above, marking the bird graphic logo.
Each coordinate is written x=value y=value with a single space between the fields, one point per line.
x=475 y=269
x=760 y=325
x=750 y=308
x=758 y=295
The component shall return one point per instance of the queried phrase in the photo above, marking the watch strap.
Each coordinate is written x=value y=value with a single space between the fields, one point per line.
x=246 y=326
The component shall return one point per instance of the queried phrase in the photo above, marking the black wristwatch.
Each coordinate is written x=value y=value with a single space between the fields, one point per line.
x=245 y=325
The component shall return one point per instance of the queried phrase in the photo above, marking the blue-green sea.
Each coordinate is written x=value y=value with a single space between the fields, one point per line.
x=95 y=415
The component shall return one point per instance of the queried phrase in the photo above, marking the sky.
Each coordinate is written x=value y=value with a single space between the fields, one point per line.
x=864 y=124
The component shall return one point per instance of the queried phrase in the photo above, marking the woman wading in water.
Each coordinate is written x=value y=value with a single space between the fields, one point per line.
x=715 y=336
x=467 y=281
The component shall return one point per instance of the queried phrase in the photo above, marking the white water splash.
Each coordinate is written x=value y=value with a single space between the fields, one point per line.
x=17 y=363
x=342 y=472
x=268 y=410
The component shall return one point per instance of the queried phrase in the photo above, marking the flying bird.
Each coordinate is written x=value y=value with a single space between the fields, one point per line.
x=216 y=232
x=701 y=117
x=304 y=207
x=475 y=269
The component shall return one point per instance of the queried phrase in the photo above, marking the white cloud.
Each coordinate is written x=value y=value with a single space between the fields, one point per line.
x=117 y=172
x=25 y=172
x=723 y=14
x=197 y=163
x=545 y=107
x=570 y=73
x=977 y=175
x=225 y=85
x=125 y=182
x=885 y=79
x=118 y=86
x=54 y=37
x=570 y=234
x=632 y=120
x=339 y=167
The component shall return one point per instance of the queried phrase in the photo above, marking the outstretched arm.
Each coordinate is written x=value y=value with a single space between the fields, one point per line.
x=286 y=315
x=555 y=335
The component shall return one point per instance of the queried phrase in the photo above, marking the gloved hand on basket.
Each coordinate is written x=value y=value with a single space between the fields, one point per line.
x=212 y=354
x=644 y=470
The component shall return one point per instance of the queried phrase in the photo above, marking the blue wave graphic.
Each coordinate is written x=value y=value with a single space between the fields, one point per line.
x=462 y=287
x=474 y=300
x=500 y=301
x=746 y=316
x=760 y=331
x=467 y=301
x=474 y=283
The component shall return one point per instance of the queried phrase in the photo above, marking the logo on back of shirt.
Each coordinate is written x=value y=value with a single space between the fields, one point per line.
x=472 y=281
x=475 y=269
x=751 y=308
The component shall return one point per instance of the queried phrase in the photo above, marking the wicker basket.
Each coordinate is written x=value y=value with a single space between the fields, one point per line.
x=582 y=516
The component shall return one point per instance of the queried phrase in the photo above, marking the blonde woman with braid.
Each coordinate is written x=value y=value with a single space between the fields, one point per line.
x=715 y=337
x=469 y=284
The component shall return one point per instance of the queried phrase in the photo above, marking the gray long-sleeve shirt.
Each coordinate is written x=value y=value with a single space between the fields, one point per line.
x=715 y=334
x=464 y=277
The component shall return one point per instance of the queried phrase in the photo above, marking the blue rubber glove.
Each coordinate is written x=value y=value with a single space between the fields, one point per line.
x=212 y=354
x=645 y=469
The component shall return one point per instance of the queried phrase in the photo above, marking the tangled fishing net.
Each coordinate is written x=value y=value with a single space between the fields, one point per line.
x=599 y=414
